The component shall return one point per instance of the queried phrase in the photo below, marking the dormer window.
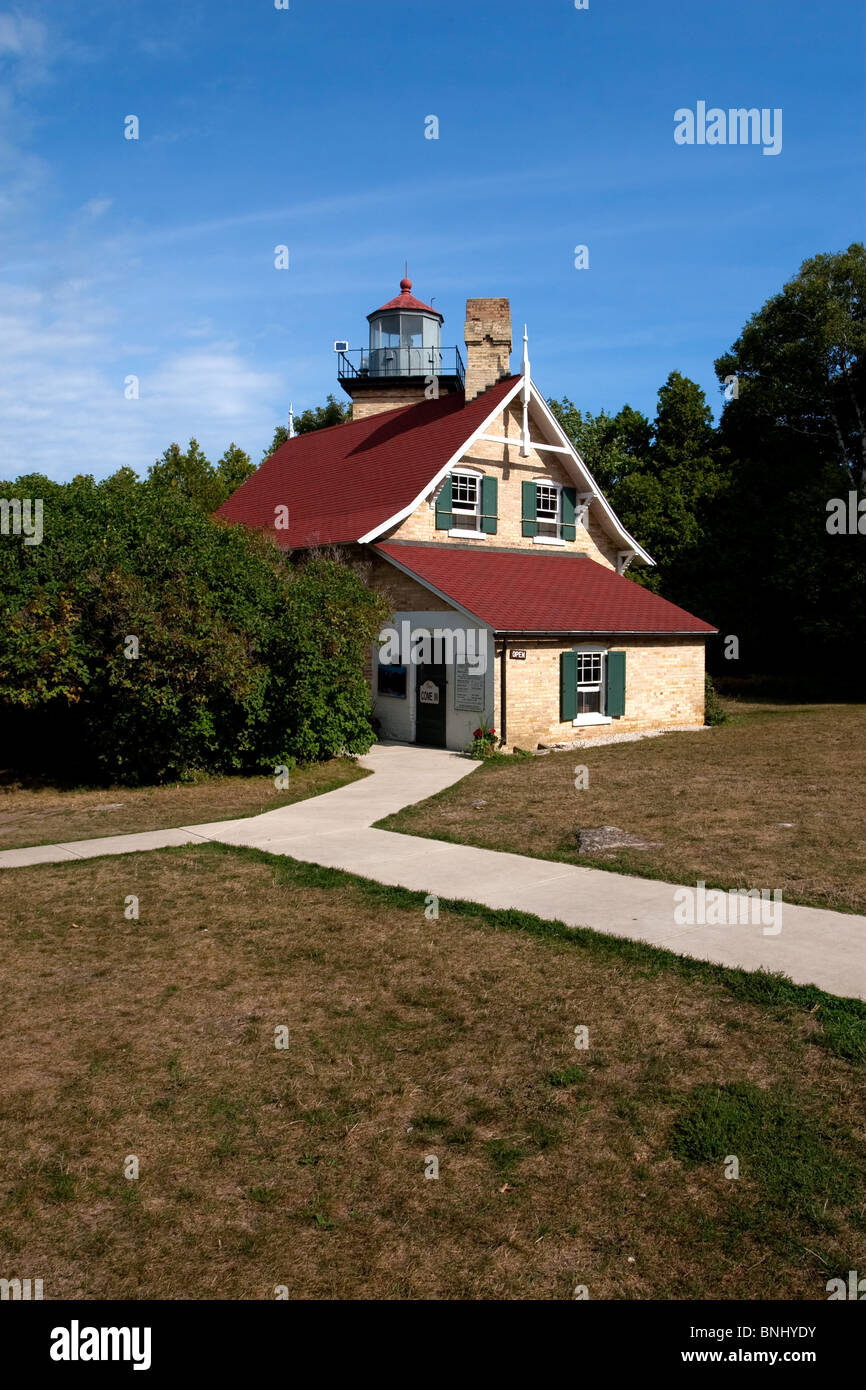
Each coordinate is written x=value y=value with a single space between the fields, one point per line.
x=547 y=510
x=465 y=501
x=466 y=504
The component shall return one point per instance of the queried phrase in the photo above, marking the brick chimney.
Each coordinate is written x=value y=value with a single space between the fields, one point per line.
x=488 y=344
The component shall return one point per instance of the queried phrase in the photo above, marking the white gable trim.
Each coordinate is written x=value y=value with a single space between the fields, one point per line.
x=573 y=461
x=443 y=471
x=588 y=482
x=440 y=593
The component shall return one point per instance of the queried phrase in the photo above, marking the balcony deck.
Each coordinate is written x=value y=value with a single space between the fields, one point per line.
x=379 y=365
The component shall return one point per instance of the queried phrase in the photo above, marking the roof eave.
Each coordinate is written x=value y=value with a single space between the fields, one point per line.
x=599 y=632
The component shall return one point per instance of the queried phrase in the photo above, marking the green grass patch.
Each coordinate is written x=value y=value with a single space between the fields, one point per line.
x=796 y=1160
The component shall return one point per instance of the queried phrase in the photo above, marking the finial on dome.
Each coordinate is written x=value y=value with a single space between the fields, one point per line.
x=405 y=283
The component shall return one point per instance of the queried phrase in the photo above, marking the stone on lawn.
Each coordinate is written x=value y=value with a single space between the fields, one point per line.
x=602 y=837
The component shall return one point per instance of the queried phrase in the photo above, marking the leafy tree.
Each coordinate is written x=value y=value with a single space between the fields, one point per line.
x=599 y=441
x=656 y=476
x=319 y=417
x=232 y=469
x=281 y=435
x=190 y=475
x=794 y=432
x=240 y=661
x=800 y=366
x=665 y=500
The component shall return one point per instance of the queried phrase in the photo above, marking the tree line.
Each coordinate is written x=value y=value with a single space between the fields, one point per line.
x=739 y=515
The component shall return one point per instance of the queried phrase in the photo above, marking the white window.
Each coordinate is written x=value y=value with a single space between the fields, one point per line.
x=591 y=675
x=465 y=502
x=590 y=669
x=547 y=509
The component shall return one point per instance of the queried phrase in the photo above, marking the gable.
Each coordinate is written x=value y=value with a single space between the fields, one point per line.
x=488 y=458
x=380 y=476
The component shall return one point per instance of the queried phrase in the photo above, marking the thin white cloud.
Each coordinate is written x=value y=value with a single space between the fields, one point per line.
x=62 y=390
x=95 y=207
x=21 y=35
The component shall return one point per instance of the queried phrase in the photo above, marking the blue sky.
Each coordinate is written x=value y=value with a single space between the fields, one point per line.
x=305 y=127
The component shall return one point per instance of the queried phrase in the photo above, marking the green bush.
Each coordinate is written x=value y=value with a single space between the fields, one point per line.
x=243 y=661
x=714 y=710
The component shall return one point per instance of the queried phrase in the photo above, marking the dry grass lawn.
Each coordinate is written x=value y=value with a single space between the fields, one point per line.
x=41 y=814
x=408 y=1039
x=774 y=799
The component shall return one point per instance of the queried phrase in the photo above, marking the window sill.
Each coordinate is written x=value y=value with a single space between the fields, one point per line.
x=584 y=721
x=473 y=535
x=548 y=540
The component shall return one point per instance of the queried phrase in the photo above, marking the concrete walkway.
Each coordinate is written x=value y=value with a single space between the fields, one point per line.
x=814 y=946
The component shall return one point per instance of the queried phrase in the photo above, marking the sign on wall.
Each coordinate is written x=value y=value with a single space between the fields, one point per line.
x=468 y=689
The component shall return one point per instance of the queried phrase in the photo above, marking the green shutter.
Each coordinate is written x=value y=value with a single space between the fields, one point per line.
x=569 y=502
x=615 y=693
x=567 y=684
x=443 y=507
x=530 y=503
x=488 y=505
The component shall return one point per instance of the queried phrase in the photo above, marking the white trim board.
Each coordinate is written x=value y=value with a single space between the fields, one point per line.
x=572 y=461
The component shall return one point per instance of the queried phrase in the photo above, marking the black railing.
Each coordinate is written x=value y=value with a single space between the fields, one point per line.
x=362 y=363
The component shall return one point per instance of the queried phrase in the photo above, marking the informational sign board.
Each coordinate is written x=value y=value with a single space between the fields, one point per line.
x=468 y=689
x=429 y=693
x=517 y=654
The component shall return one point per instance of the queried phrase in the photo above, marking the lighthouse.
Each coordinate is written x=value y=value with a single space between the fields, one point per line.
x=404 y=360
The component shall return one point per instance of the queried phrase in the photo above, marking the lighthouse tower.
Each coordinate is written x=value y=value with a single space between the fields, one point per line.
x=404 y=361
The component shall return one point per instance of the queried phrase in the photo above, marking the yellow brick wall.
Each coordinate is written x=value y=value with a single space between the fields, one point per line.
x=374 y=401
x=504 y=462
x=664 y=689
x=405 y=595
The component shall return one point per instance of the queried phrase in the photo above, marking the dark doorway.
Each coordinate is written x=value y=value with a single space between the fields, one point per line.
x=430 y=688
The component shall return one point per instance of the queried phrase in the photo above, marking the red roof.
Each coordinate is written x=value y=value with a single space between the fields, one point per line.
x=524 y=591
x=405 y=300
x=341 y=482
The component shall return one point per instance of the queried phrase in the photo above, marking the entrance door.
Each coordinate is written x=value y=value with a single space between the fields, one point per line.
x=430 y=687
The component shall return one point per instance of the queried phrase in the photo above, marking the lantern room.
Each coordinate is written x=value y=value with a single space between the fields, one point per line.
x=405 y=352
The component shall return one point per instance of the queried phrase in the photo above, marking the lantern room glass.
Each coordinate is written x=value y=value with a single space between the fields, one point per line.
x=405 y=344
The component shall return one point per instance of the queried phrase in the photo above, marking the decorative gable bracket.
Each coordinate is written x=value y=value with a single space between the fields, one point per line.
x=623 y=560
